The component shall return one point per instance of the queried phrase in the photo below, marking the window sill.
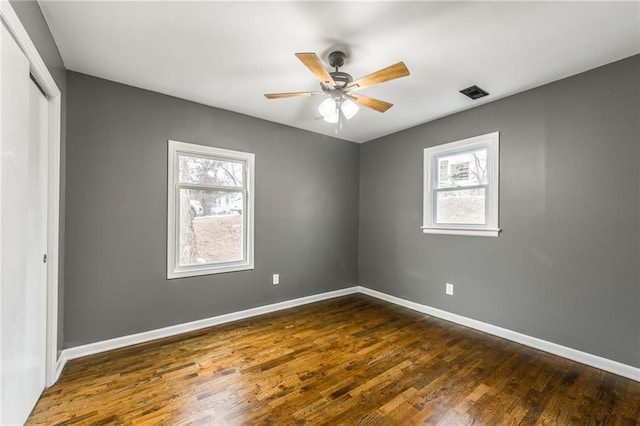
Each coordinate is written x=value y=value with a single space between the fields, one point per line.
x=186 y=273
x=459 y=231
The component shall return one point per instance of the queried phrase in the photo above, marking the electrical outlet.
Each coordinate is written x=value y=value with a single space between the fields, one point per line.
x=276 y=279
x=449 y=289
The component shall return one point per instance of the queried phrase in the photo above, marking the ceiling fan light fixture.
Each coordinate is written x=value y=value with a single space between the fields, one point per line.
x=349 y=108
x=333 y=119
x=328 y=110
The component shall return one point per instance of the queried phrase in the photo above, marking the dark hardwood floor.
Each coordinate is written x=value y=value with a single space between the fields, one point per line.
x=353 y=360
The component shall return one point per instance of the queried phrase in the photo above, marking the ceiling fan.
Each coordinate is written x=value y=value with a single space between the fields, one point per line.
x=340 y=87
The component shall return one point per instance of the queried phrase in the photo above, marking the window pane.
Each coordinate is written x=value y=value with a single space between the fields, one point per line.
x=465 y=206
x=462 y=169
x=211 y=227
x=203 y=170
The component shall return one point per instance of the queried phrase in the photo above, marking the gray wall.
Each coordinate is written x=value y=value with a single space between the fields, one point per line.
x=565 y=268
x=31 y=17
x=306 y=217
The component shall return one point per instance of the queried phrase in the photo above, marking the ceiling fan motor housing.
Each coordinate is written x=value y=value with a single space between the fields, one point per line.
x=340 y=78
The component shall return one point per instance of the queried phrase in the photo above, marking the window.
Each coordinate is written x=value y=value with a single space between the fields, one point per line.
x=461 y=187
x=210 y=210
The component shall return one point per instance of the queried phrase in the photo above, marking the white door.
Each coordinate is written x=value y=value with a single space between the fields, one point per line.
x=23 y=239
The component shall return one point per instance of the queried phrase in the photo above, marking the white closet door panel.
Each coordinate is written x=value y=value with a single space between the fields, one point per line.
x=36 y=231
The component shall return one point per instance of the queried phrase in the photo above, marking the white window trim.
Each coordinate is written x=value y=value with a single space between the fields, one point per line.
x=175 y=271
x=492 y=142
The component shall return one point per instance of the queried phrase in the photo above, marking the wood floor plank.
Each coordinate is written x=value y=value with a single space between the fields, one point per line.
x=352 y=360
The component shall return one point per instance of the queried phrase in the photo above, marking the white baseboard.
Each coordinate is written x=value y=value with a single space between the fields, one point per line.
x=533 y=342
x=134 y=339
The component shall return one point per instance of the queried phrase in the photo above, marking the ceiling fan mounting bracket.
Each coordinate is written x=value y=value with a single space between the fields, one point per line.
x=336 y=59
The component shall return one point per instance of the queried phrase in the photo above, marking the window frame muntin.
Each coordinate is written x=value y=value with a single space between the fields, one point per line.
x=176 y=148
x=491 y=229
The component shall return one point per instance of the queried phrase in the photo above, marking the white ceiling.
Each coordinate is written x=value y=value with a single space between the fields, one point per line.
x=228 y=54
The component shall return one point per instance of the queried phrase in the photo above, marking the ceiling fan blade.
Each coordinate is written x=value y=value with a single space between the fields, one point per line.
x=290 y=95
x=375 y=104
x=389 y=73
x=311 y=61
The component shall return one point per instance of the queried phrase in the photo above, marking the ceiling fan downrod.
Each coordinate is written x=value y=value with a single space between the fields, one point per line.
x=336 y=59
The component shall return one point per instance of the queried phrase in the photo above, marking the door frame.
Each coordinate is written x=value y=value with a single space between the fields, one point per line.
x=43 y=77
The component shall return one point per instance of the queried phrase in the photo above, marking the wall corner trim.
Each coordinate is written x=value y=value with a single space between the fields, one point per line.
x=601 y=363
x=62 y=361
x=605 y=364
